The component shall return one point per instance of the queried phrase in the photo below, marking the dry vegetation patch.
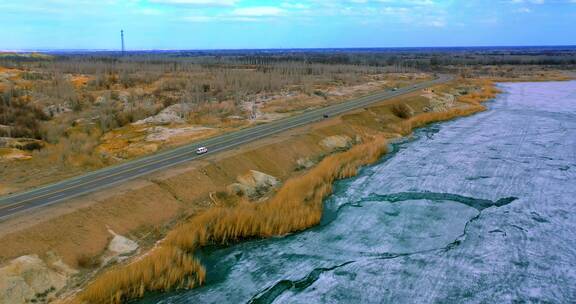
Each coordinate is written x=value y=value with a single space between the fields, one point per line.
x=123 y=101
x=295 y=206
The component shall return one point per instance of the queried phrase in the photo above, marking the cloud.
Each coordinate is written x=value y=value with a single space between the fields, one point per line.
x=298 y=5
x=199 y=19
x=150 y=11
x=258 y=11
x=408 y=2
x=245 y=14
x=439 y=22
x=524 y=10
x=198 y=2
x=529 y=1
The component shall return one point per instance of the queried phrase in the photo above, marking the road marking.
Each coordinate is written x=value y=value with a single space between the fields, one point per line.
x=297 y=121
x=16 y=207
x=359 y=102
x=250 y=135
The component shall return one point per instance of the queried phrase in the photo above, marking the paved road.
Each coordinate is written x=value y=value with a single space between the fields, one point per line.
x=106 y=177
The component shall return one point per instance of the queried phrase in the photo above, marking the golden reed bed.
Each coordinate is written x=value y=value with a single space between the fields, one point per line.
x=297 y=205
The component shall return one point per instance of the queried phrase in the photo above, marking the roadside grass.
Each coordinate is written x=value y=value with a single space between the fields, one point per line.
x=297 y=205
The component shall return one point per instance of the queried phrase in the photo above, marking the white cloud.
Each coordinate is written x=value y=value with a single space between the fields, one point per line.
x=150 y=11
x=245 y=14
x=198 y=2
x=524 y=10
x=298 y=5
x=529 y=1
x=409 y=2
x=199 y=19
x=258 y=11
x=437 y=23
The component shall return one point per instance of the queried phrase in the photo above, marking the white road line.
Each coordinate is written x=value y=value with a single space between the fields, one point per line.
x=114 y=175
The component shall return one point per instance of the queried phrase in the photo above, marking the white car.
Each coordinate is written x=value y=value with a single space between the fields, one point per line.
x=201 y=150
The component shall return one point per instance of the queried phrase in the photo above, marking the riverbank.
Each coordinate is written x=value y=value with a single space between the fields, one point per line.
x=472 y=210
x=232 y=192
x=295 y=206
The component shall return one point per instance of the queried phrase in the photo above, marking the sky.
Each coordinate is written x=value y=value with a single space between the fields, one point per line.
x=252 y=24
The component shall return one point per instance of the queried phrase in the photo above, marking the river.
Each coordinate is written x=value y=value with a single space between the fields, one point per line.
x=478 y=210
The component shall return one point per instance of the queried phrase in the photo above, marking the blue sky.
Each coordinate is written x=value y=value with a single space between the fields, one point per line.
x=212 y=24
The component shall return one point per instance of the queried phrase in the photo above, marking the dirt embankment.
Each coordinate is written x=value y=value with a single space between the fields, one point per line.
x=197 y=204
x=93 y=120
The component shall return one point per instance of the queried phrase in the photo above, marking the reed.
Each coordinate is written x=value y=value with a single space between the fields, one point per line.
x=432 y=117
x=296 y=206
x=164 y=268
x=487 y=91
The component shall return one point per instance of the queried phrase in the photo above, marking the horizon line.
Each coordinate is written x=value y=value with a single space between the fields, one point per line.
x=48 y=50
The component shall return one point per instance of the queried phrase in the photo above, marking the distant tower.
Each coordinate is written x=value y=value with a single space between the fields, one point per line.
x=122 y=37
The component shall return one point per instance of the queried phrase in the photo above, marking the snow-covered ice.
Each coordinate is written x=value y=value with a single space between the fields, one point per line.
x=477 y=210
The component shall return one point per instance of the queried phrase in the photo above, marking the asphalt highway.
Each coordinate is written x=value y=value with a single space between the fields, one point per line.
x=113 y=175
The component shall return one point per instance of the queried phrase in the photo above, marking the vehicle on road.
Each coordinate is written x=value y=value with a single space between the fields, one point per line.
x=325 y=115
x=394 y=89
x=96 y=180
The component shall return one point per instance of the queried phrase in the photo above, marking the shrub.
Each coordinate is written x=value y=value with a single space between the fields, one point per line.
x=88 y=262
x=22 y=117
x=402 y=110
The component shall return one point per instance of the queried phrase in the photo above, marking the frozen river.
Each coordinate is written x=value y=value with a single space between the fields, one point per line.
x=478 y=210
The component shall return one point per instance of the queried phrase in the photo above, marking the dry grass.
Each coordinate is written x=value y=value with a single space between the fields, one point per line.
x=296 y=206
x=487 y=91
x=96 y=95
x=79 y=80
x=166 y=267
x=432 y=117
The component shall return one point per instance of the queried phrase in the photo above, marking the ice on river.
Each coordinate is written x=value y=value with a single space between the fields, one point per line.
x=477 y=210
